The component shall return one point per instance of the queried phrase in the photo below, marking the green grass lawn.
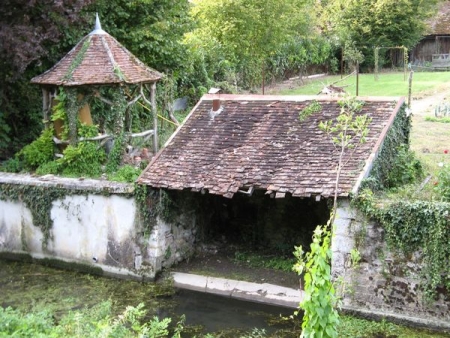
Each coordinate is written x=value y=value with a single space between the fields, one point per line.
x=388 y=84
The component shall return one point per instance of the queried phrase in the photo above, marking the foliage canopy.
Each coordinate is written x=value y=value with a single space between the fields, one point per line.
x=385 y=23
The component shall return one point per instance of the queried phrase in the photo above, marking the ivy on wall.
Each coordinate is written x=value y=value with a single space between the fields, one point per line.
x=145 y=206
x=39 y=200
x=415 y=226
x=387 y=159
x=154 y=203
x=410 y=225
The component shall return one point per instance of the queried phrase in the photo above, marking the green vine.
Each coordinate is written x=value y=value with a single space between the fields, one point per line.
x=397 y=138
x=78 y=59
x=115 y=156
x=320 y=318
x=152 y=204
x=410 y=225
x=144 y=207
x=39 y=200
x=415 y=226
x=72 y=108
x=313 y=107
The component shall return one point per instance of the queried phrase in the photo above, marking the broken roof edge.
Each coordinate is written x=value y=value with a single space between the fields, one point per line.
x=266 y=192
x=376 y=149
x=398 y=100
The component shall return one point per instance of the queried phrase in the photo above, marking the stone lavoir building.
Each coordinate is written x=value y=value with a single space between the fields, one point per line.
x=254 y=169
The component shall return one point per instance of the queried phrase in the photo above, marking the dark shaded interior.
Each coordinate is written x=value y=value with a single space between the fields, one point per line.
x=258 y=222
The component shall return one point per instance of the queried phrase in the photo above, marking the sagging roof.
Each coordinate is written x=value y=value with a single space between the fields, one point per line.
x=98 y=59
x=258 y=142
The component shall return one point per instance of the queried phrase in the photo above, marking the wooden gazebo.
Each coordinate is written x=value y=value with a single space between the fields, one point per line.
x=100 y=60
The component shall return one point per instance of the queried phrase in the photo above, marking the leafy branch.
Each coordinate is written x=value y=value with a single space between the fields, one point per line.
x=349 y=131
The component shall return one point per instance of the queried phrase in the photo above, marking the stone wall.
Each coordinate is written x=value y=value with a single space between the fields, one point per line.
x=383 y=284
x=95 y=225
x=172 y=242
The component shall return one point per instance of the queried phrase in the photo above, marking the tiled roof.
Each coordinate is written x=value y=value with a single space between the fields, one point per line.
x=258 y=141
x=97 y=59
x=440 y=23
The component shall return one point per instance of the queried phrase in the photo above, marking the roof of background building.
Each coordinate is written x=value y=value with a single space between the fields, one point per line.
x=259 y=142
x=98 y=59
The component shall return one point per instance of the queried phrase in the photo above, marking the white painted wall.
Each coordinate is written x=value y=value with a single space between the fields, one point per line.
x=95 y=224
x=90 y=229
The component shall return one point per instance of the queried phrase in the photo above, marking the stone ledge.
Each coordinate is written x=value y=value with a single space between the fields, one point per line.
x=255 y=292
x=79 y=184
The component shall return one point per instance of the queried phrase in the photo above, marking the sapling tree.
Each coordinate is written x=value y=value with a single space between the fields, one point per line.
x=321 y=318
x=347 y=133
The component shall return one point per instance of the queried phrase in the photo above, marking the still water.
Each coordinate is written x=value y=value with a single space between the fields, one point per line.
x=34 y=287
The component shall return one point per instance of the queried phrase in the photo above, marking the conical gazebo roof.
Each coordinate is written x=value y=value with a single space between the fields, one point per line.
x=98 y=59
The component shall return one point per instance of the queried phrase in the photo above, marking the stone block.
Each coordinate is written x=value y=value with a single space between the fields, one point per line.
x=137 y=262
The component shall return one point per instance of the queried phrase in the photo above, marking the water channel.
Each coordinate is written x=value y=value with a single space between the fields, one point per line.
x=29 y=286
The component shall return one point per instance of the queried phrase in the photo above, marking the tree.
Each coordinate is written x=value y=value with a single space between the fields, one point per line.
x=152 y=30
x=247 y=32
x=370 y=23
x=347 y=133
x=30 y=42
x=27 y=28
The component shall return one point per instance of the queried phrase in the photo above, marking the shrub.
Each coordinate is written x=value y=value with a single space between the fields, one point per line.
x=14 y=323
x=53 y=167
x=442 y=185
x=12 y=165
x=405 y=169
x=94 y=322
x=39 y=151
x=84 y=159
x=127 y=173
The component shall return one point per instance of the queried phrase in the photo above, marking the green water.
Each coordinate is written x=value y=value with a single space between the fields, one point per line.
x=31 y=287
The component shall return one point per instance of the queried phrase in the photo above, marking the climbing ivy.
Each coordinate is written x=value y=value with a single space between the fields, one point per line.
x=387 y=160
x=78 y=59
x=145 y=207
x=39 y=200
x=410 y=225
x=414 y=226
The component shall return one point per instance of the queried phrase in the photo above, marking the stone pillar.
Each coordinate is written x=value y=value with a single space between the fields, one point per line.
x=343 y=238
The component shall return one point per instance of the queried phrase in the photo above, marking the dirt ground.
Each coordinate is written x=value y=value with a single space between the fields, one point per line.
x=218 y=260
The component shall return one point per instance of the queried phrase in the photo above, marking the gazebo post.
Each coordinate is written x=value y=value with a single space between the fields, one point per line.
x=46 y=102
x=155 y=117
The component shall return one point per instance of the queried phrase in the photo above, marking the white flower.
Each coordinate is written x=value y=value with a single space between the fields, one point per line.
x=441 y=164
